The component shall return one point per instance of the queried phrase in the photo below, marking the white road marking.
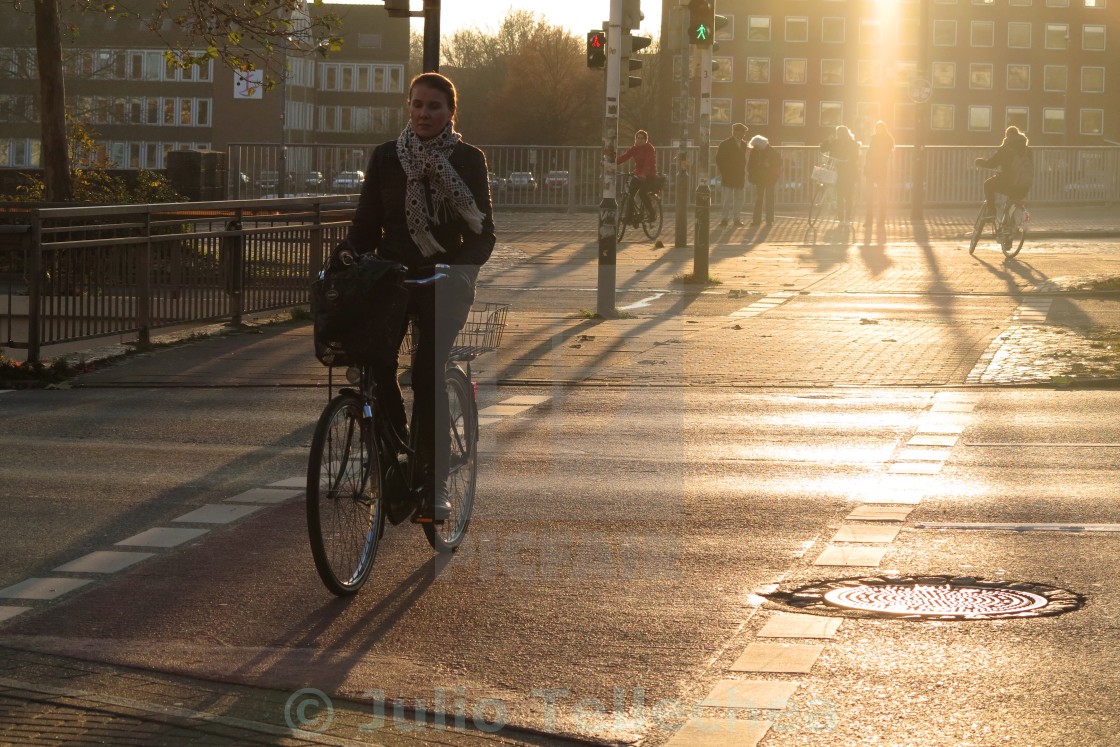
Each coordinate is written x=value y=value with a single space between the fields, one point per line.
x=764 y=695
x=267 y=495
x=213 y=513
x=1027 y=527
x=641 y=304
x=104 y=561
x=789 y=658
x=793 y=625
x=162 y=537
x=42 y=588
x=853 y=557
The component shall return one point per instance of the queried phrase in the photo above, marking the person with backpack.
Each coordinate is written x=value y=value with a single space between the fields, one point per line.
x=763 y=169
x=1016 y=170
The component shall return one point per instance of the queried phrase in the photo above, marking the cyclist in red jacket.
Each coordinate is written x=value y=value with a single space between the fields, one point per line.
x=645 y=168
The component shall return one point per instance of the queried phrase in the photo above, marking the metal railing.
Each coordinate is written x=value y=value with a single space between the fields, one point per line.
x=88 y=272
x=568 y=178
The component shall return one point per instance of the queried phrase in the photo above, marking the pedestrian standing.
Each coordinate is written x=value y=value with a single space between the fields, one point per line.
x=763 y=169
x=844 y=150
x=731 y=160
x=876 y=171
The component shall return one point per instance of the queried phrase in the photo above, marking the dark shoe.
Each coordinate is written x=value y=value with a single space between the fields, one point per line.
x=435 y=507
x=722 y=223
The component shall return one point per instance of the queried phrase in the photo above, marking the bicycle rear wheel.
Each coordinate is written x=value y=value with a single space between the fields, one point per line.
x=1016 y=228
x=621 y=217
x=344 y=497
x=652 y=225
x=977 y=231
x=462 y=464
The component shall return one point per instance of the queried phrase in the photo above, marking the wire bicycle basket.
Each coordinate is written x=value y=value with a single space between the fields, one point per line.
x=481 y=333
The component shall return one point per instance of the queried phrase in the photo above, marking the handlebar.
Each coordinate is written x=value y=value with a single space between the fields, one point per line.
x=439 y=273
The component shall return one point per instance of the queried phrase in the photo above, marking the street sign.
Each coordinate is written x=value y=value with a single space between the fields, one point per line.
x=920 y=90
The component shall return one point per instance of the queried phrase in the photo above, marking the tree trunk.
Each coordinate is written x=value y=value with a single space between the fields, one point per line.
x=52 y=90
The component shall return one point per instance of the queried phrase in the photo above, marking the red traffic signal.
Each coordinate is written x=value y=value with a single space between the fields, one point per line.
x=596 y=49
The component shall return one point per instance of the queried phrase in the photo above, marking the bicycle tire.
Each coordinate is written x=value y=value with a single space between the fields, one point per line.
x=977 y=231
x=462 y=464
x=620 y=218
x=1018 y=233
x=344 y=496
x=649 y=225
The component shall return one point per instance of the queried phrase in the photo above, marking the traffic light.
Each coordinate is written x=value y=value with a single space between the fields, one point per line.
x=701 y=22
x=596 y=49
x=631 y=68
x=632 y=14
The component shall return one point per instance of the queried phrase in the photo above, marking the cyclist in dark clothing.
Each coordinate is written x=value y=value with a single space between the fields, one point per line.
x=1015 y=185
x=426 y=201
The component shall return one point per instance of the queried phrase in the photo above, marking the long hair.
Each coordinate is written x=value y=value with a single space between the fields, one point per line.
x=1014 y=134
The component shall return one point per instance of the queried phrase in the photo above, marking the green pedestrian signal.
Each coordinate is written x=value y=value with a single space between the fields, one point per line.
x=702 y=33
x=701 y=22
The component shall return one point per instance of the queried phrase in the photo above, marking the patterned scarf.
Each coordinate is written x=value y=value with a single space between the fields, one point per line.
x=428 y=159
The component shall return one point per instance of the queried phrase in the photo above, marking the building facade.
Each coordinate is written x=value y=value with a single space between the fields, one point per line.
x=938 y=72
x=139 y=107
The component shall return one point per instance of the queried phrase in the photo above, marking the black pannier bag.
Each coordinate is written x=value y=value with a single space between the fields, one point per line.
x=358 y=313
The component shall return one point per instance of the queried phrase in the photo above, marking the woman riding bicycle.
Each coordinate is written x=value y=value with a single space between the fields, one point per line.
x=645 y=169
x=1016 y=170
x=426 y=201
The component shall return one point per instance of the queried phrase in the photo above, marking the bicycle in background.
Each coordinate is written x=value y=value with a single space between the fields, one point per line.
x=822 y=200
x=1010 y=223
x=362 y=473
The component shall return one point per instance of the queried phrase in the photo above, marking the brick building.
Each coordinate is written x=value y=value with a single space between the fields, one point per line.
x=794 y=69
x=141 y=108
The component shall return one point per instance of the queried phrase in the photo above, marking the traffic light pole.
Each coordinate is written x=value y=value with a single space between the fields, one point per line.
x=703 y=169
x=608 y=207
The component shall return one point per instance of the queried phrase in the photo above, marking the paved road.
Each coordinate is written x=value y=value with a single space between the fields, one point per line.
x=719 y=440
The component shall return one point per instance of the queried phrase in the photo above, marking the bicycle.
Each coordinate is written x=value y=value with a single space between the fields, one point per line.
x=1010 y=223
x=632 y=212
x=361 y=472
x=822 y=199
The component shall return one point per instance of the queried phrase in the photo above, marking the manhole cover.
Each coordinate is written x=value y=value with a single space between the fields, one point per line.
x=930 y=598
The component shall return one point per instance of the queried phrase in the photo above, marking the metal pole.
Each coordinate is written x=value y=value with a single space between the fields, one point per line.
x=282 y=164
x=608 y=207
x=921 y=115
x=703 y=190
x=681 y=187
x=431 y=36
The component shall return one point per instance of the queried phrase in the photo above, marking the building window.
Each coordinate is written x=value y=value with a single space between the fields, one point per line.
x=721 y=111
x=1018 y=77
x=869 y=73
x=1092 y=121
x=722 y=69
x=793 y=113
x=832 y=30
x=870 y=32
x=1096 y=3
x=369 y=41
x=944 y=33
x=797 y=29
x=980 y=118
x=905 y=115
x=1057 y=35
x=832 y=113
x=944 y=74
x=1092 y=37
x=1054 y=78
x=832 y=72
x=983 y=33
x=904 y=73
x=1018 y=116
x=1024 y=3
x=758 y=112
x=758 y=28
x=758 y=70
x=941 y=116
x=980 y=75
x=796 y=71
x=1057 y=3
x=1092 y=80
x=1054 y=121
x=1019 y=34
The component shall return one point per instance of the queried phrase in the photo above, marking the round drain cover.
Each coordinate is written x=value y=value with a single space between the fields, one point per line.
x=930 y=598
x=941 y=601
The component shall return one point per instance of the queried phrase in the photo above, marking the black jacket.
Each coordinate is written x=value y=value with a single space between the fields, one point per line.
x=731 y=159
x=380 y=224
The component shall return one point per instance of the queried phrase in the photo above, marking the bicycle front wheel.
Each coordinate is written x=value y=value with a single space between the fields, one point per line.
x=344 y=498
x=462 y=464
x=817 y=203
x=620 y=218
x=1017 y=226
x=977 y=231
x=651 y=224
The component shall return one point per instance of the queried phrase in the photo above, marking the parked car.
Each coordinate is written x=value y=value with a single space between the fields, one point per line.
x=348 y=181
x=556 y=179
x=268 y=181
x=314 y=181
x=521 y=180
x=497 y=183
